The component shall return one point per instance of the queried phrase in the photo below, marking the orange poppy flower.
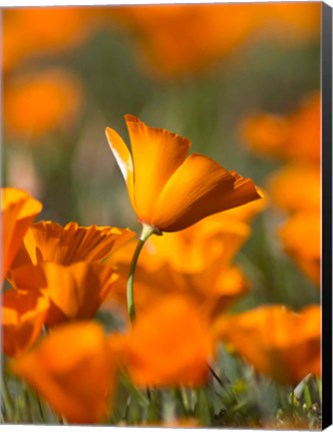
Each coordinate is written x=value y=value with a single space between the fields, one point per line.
x=295 y=137
x=168 y=346
x=36 y=103
x=23 y=315
x=278 y=342
x=28 y=32
x=296 y=187
x=168 y=191
x=75 y=291
x=167 y=35
x=300 y=236
x=48 y=241
x=74 y=370
x=18 y=210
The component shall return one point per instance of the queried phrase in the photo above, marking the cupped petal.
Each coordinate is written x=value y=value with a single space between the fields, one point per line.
x=48 y=241
x=277 y=341
x=199 y=188
x=124 y=160
x=168 y=346
x=23 y=315
x=157 y=153
x=75 y=291
x=18 y=210
x=73 y=368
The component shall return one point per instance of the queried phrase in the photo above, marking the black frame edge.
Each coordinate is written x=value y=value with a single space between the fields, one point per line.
x=326 y=275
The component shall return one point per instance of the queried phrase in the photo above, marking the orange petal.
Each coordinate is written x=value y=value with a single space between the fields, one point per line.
x=169 y=345
x=48 y=241
x=199 y=188
x=18 y=211
x=75 y=291
x=124 y=160
x=278 y=342
x=157 y=154
x=296 y=187
x=301 y=240
x=74 y=370
x=23 y=315
x=78 y=290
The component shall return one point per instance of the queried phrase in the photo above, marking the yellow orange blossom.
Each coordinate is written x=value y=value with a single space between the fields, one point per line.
x=168 y=346
x=74 y=369
x=168 y=35
x=23 y=315
x=300 y=237
x=295 y=137
x=217 y=237
x=296 y=187
x=18 y=210
x=196 y=261
x=28 y=32
x=66 y=262
x=49 y=241
x=167 y=190
x=278 y=342
x=36 y=103
x=75 y=291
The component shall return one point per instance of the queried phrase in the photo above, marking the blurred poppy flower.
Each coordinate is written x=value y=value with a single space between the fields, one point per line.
x=167 y=35
x=296 y=187
x=300 y=236
x=49 y=241
x=278 y=342
x=36 y=103
x=294 y=137
x=18 y=210
x=29 y=32
x=169 y=345
x=73 y=368
x=23 y=315
x=167 y=190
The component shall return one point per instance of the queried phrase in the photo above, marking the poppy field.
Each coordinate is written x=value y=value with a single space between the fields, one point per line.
x=160 y=208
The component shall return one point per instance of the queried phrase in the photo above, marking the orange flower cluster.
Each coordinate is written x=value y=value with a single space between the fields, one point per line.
x=296 y=187
x=60 y=276
x=171 y=37
x=37 y=102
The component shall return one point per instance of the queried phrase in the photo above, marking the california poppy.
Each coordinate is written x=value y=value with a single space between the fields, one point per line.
x=168 y=346
x=196 y=261
x=23 y=315
x=73 y=368
x=278 y=342
x=166 y=36
x=296 y=187
x=167 y=190
x=37 y=103
x=294 y=137
x=18 y=210
x=29 y=32
x=300 y=236
x=49 y=241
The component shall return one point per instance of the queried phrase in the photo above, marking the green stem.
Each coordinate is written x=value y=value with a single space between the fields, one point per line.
x=147 y=231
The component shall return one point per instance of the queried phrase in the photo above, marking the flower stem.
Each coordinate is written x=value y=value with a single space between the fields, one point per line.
x=147 y=231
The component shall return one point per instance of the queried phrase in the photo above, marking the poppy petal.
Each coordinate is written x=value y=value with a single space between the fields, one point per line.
x=199 y=188
x=124 y=160
x=157 y=153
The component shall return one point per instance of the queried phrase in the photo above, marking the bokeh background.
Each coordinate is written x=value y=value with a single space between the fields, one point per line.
x=202 y=71
x=241 y=81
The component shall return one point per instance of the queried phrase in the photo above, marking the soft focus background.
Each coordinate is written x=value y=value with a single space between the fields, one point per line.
x=241 y=81
x=198 y=71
